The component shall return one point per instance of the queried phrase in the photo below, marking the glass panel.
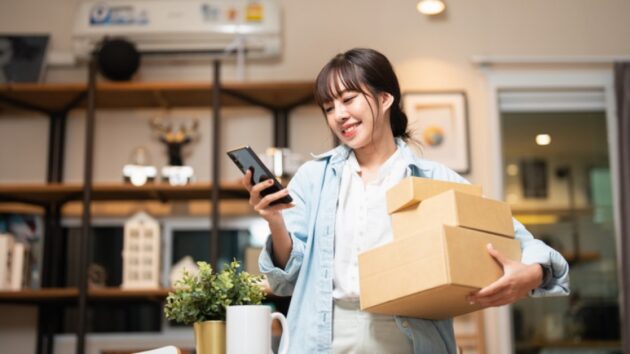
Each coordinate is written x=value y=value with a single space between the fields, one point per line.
x=196 y=243
x=562 y=193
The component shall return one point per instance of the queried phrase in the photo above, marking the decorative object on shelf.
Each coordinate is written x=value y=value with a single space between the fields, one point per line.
x=6 y=245
x=203 y=299
x=141 y=252
x=139 y=170
x=97 y=276
x=282 y=161
x=26 y=230
x=438 y=120
x=13 y=263
x=254 y=323
x=533 y=173
x=178 y=175
x=22 y=57
x=175 y=139
x=186 y=264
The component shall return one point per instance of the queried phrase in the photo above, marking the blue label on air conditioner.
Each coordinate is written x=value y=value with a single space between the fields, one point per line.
x=103 y=15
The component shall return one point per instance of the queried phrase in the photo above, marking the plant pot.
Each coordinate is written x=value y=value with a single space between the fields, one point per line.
x=210 y=337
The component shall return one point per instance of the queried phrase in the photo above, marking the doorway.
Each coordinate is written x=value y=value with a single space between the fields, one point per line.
x=557 y=180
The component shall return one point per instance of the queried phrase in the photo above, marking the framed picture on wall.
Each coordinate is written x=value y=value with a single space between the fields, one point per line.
x=22 y=57
x=439 y=121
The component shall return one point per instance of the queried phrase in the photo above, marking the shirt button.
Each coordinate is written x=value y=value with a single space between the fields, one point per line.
x=405 y=324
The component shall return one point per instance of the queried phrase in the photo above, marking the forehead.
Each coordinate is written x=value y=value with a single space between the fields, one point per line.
x=338 y=84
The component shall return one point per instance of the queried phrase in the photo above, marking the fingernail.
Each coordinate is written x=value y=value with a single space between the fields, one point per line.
x=270 y=181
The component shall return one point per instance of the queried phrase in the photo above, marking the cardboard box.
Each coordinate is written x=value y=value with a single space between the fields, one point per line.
x=429 y=274
x=455 y=209
x=412 y=190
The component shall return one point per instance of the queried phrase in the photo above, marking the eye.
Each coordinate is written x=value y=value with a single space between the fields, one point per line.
x=328 y=109
x=349 y=99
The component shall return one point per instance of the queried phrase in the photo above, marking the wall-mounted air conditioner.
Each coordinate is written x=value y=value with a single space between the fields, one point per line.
x=182 y=26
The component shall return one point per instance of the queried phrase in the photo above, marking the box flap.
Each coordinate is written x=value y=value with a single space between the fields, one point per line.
x=413 y=190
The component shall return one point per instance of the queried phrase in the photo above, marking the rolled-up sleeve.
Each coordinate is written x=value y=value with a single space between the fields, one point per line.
x=536 y=251
x=282 y=280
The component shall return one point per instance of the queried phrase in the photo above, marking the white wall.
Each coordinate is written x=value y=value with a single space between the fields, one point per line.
x=428 y=54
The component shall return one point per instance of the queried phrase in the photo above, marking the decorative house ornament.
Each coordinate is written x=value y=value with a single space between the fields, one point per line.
x=141 y=252
x=185 y=264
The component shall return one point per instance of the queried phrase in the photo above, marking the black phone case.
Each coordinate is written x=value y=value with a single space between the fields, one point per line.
x=246 y=159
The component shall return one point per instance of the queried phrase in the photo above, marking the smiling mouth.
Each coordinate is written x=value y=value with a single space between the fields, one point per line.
x=350 y=130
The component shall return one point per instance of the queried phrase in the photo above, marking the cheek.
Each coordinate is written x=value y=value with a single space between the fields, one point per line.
x=330 y=121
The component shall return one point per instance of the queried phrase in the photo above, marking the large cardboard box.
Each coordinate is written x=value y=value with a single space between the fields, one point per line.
x=413 y=190
x=455 y=209
x=429 y=274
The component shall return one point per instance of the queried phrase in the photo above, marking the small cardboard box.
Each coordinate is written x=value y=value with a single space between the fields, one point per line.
x=455 y=209
x=428 y=275
x=412 y=190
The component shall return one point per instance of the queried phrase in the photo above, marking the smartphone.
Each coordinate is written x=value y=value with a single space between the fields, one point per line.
x=246 y=159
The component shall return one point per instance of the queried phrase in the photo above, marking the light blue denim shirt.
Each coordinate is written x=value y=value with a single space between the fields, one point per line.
x=308 y=274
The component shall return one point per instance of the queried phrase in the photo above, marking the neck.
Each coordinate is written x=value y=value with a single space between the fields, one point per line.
x=375 y=154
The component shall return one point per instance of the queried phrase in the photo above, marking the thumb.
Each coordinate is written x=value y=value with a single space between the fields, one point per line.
x=497 y=255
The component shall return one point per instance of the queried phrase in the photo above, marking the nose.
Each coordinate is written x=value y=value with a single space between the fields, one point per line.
x=340 y=111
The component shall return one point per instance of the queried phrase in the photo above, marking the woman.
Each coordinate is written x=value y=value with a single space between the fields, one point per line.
x=339 y=210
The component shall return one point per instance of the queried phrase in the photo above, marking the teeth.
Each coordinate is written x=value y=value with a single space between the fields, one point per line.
x=349 y=129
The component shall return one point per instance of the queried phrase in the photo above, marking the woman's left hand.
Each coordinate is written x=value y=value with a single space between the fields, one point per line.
x=517 y=281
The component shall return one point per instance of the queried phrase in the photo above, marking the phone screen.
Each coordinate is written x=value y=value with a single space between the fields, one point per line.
x=246 y=159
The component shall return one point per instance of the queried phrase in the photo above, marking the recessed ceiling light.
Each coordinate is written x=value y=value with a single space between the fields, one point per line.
x=430 y=7
x=543 y=139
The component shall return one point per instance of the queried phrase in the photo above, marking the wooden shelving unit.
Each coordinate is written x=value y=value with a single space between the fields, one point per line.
x=56 y=100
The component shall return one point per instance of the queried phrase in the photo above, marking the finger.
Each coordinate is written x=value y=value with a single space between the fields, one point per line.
x=247 y=180
x=264 y=202
x=496 y=300
x=279 y=207
x=259 y=187
x=492 y=289
x=498 y=256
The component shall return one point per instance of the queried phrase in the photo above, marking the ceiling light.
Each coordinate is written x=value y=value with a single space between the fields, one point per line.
x=543 y=139
x=430 y=7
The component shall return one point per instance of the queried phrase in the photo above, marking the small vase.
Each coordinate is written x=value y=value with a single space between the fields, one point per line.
x=210 y=337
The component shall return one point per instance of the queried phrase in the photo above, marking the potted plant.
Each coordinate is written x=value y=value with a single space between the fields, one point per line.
x=202 y=300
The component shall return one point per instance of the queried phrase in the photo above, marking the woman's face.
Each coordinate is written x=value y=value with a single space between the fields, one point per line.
x=356 y=119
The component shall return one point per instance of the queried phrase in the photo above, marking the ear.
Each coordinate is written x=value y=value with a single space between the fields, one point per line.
x=386 y=100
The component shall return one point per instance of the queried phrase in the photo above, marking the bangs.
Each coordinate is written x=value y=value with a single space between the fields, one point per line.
x=339 y=76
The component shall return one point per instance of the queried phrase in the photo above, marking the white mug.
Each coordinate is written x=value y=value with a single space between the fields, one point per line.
x=248 y=330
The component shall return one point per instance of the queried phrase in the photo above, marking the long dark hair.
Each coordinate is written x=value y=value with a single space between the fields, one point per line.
x=361 y=70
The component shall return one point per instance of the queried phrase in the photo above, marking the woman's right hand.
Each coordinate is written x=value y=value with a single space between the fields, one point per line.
x=261 y=205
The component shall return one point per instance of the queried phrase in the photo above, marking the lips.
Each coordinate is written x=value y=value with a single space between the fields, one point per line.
x=349 y=130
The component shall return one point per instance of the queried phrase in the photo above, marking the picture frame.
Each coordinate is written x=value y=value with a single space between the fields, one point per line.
x=439 y=122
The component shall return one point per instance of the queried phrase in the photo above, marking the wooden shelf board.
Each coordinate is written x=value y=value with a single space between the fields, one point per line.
x=56 y=96
x=47 y=193
x=31 y=296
